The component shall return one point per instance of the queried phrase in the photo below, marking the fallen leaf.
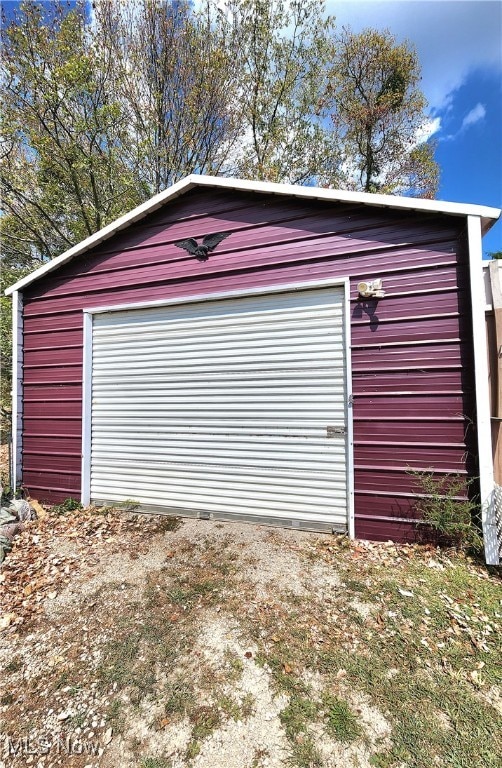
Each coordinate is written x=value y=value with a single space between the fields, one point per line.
x=275 y=639
x=6 y=620
x=405 y=592
x=52 y=595
x=287 y=669
x=109 y=733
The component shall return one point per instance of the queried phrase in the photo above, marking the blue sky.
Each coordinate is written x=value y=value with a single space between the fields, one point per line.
x=459 y=44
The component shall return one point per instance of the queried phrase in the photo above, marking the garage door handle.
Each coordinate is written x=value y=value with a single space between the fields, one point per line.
x=335 y=431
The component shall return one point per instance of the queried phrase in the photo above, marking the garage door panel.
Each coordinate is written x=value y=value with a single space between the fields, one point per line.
x=149 y=340
x=223 y=407
x=266 y=429
x=323 y=479
x=241 y=312
x=201 y=384
x=261 y=346
x=264 y=460
x=235 y=363
x=222 y=339
x=182 y=409
x=294 y=494
x=260 y=504
x=176 y=444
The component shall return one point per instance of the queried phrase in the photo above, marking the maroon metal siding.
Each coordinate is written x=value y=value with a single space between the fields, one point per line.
x=411 y=351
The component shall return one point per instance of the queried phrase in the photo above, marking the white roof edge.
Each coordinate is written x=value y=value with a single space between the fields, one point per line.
x=486 y=214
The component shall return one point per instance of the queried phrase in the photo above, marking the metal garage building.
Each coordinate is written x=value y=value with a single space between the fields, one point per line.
x=258 y=381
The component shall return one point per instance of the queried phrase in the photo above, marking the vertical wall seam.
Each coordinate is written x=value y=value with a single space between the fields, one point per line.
x=349 y=413
x=86 y=411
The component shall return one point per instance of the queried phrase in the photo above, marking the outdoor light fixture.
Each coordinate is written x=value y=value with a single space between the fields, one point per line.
x=371 y=289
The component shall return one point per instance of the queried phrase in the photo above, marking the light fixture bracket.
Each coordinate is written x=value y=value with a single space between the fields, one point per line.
x=371 y=289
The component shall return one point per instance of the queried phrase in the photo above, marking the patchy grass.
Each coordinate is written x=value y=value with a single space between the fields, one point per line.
x=179 y=697
x=427 y=656
x=155 y=762
x=234 y=709
x=204 y=721
x=341 y=722
x=304 y=754
x=234 y=663
x=296 y=716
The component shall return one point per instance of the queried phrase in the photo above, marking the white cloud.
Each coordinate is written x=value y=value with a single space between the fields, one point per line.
x=452 y=37
x=429 y=128
x=474 y=116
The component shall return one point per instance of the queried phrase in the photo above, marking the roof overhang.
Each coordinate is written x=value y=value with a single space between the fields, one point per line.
x=488 y=216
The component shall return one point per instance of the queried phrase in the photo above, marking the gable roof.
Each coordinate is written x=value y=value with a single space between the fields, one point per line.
x=487 y=215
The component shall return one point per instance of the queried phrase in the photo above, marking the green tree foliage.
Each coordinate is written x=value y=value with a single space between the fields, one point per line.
x=175 y=81
x=63 y=175
x=282 y=52
x=379 y=114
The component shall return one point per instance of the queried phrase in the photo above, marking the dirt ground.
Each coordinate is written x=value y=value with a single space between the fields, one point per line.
x=216 y=652
x=151 y=642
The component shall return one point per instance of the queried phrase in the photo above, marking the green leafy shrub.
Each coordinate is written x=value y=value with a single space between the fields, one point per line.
x=444 y=504
x=68 y=505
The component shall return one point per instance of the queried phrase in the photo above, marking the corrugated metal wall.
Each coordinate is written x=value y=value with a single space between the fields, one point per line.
x=230 y=407
x=412 y=362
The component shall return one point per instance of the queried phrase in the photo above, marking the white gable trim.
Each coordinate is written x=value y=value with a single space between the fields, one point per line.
x=487 y=215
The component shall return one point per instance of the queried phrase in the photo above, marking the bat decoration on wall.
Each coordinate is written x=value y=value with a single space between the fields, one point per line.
x=201 y=251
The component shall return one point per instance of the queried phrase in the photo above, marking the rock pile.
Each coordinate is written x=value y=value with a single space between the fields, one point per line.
x=11 y=523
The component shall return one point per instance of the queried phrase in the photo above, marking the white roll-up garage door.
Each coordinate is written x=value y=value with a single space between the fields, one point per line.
x=232 y=408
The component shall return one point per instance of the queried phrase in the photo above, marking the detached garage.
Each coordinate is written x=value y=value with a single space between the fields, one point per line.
x=255 y=351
